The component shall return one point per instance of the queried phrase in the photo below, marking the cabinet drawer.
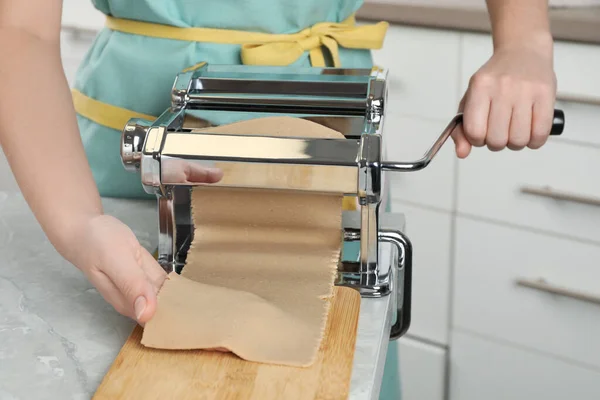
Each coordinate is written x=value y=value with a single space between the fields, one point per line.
x=555 y=188
x=422 y=370
x=429 y=231
x=480 y=369
x=582 y=119
x=407 y=139
x=75 y=43
x=494 y=268
x=576 y=64
x=423 y=65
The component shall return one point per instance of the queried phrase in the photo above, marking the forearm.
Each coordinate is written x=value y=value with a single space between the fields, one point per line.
x=39 y=135
x=520 y=22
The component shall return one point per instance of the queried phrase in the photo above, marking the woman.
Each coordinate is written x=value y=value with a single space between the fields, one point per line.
x=130 y=69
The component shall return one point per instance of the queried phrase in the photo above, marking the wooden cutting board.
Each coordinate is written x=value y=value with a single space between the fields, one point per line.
x=144 y=373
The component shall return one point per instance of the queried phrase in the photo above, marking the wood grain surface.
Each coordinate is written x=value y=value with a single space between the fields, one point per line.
x=143 y=373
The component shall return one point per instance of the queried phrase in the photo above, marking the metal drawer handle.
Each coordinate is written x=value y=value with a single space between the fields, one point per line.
x=578 y=98
x=547 y=191
x=543 y=286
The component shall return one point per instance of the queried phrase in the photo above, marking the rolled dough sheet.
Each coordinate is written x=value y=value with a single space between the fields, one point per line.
x=260 y=270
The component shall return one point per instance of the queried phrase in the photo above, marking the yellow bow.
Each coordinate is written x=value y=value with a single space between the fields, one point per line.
x=270 y=49
x=286 y=50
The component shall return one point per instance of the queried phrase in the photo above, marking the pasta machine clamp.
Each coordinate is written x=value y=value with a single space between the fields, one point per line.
x=351 y=101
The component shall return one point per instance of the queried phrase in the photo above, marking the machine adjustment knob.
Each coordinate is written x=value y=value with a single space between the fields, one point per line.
x=132 y=143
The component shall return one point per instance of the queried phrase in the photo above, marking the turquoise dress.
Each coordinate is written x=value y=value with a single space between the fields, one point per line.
x=137 y=72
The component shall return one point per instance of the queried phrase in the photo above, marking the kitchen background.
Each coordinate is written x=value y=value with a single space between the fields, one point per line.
x=481 y=238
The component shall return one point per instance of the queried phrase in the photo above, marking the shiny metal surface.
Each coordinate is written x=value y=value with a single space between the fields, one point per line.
x=184 y=153
x=273 y=89
x=260 y=149
x=403 y=281
x=369 y=194
x=132 y=143
x=429 y=155
x=394 y=280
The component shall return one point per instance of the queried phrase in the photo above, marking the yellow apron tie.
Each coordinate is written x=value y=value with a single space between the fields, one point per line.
x=270 y=49
x=104 y=114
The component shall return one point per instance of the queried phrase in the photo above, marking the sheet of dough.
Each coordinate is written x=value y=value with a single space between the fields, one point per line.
x=260 y=270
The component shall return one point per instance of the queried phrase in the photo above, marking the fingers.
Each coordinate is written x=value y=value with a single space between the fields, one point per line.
x=498 y=124
x=200 y=174
x=126 y=271
x=109 y=291
x=182 y=171
x=476 y=110
x=520 y=127
x=541 y=124
x=463 y=147
x=155 y=274
x=504 y=114
x=461 y=144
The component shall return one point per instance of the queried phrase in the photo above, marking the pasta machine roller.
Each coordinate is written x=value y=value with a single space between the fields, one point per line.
x=351 y=101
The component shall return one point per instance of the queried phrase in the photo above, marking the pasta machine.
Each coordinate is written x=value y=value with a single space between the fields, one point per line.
x=351 y=101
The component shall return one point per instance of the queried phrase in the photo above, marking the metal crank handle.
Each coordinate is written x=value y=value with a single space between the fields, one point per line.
x=558 y=125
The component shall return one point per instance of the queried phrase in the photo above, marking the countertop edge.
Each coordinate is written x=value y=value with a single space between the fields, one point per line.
x=577 y=24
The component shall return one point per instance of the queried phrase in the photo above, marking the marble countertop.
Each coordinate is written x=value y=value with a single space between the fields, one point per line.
x=58 y=336
x=580 y=24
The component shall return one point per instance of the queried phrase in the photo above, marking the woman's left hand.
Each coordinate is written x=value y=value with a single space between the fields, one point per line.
x=509 y=102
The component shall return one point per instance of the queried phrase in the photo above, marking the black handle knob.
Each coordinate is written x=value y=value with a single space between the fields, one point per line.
x=558 y=123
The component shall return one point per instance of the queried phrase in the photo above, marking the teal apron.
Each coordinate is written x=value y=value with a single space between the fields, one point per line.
x=136 y=73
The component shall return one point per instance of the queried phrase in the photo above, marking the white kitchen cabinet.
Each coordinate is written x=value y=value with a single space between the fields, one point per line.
x=577 y=67
x=499 y=186
x=74 y=43
x=582 y=119
x=407 y=139
x=550 y=348
x=429 y=232
x=422 y=370
x=491 y=263
x=82 y=14
x=423 y=66
x=482 y=369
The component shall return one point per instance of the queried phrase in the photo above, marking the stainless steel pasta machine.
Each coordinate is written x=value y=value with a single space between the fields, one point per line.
x=351 y=101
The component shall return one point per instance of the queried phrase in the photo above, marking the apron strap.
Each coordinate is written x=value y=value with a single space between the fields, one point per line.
x=270 y=49
x=104 y=114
